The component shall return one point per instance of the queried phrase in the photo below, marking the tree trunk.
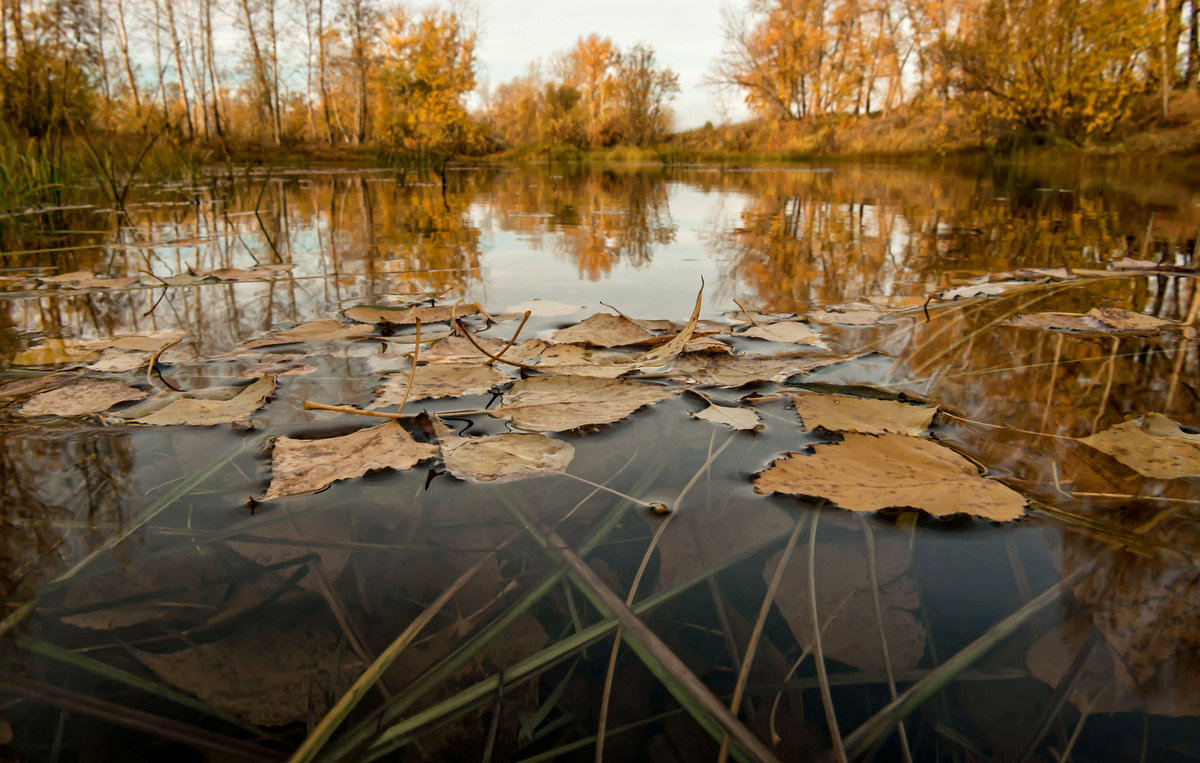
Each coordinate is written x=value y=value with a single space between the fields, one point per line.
x=211 y=66
x=276 y=121
x=123 y=37
x=1192 y=75
x=260 y=72
x=175 y=46
x=322 y=68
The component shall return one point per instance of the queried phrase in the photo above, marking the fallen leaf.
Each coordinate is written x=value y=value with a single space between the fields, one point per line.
x=846 y=606
x=666 y=353
x=854 y=314
x=734 y=371
x=844 y=413
x=505 y=457
x=54 y=352
x=867 y=472
x=788 y=332
x=261 y=272
x=201 y=412
x=87 y=396
x=706 y=344
x=1153 y=446
x=267 y=673
x=992 y=289
x=313 y=331
x=733 y=417
x=407 y=315
x=457 y=349
x=559 y=403
x=34 y=383
x=1103 y=320
x=449 y=380
x=604 y=330
x=577 y=360
x=302 y=466
x=85 y=279
x=543 y=308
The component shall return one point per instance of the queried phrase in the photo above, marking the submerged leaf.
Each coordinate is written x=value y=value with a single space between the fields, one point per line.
x=85 y=279
x=1102 y=320
x=843 y=413
x=207 y=412
x=87 y=396
x=854 y=314
x=267 y=673
x=604 y=330
x=302 y=466
x=505 y=457
x=559 y=403
x=734 y=417
x=257 y=273
x=448 y=380
x=1153 y=446
x=577 y=360
x=993 y=289
x=867 y=473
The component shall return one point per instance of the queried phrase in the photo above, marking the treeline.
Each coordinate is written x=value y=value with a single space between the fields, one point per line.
x=233 y=71
x=1075 y=67
x=359 y=73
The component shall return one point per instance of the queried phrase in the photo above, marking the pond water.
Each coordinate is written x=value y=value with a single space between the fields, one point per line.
x=156 y=604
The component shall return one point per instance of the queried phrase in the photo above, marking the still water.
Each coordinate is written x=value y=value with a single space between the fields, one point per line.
x=156 y=606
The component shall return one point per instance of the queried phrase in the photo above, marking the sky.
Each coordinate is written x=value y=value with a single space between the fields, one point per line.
x=685 y=34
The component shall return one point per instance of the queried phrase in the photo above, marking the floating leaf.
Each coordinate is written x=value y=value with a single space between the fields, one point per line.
x=505 y=457
x=1104 y=320
x=87 y=396
x=313 y=331
x=85 y=279
x=22 y=387
x=267 y=673
x=258 y=273
x=543 y=308
x=993 y=289
x=408 y=315
x=730 y=416
x=867 y=473
x=729 y=371
x=302 y=466
x=855 y=314
x=788 y=332
x=1153 y=446
x=457 y=349
x=576 y=360
x=210 y=411
x=449 y=380
x=844 y=413
x=671 y=350
x=604 y=330
x=559 y=403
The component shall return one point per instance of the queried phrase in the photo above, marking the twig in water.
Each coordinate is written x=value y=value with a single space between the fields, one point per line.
x=152 y=367
x=413 y=373
x=467 y=334
x=883 y=645
x=749 y=317
x=516 y=334
x=839 y=751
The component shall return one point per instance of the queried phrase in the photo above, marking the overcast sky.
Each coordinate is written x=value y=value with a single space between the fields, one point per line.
x=685 y=34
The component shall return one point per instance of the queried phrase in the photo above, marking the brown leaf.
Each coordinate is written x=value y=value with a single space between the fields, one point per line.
x=850 y=315
x=258 y=273
x=604 y=330
x=577 y=360
x=1099 y=320
x=505 y=457
x=542 y=308
x=197 y=411
x=993 y=289
x=313 y=331
x=846 y=607
x=457 y=349
x=559 y=403
x=843 y=413
x=662 y=355
x=1153 y=446
x=302 y=466
x=267 y=673
x=85 y=279
x=867 y=473
x=733 y=417
x=729 y=371
x=407 y=315
x=34 y=383
x=788 y=332
x=87 y=396
x=451 y=380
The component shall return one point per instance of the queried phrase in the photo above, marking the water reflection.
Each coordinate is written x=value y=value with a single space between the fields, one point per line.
x=369 y=555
